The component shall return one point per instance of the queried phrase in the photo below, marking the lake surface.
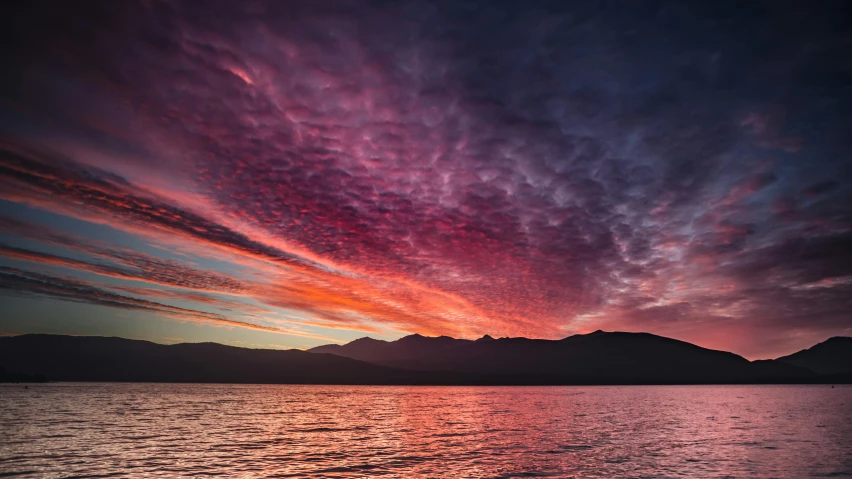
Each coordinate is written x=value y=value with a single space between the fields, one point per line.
x=192 y=430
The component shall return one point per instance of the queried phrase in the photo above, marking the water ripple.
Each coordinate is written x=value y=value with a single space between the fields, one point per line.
x=62 y=430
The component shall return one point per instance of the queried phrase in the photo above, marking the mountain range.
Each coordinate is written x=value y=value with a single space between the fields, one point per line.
x=595 y=358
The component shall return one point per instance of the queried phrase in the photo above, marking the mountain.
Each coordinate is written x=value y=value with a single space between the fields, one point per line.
x=71 y=358
x=833 y=356
x=595 y=358
x=401 y=351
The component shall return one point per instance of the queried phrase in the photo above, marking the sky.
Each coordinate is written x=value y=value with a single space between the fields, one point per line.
x=290 y=174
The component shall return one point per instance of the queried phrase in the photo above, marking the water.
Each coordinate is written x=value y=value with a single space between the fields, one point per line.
x=181 y=430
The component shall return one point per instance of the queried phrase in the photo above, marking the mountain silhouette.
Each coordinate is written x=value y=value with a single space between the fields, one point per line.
x=833 y=356
x=599 y=357
x=407 y=351
x=596 y=358
x=74 y=358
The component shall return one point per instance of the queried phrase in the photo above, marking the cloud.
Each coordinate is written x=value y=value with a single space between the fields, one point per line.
x=447 y=168
x=138 y=267
x=308 y=286
x=26 y=283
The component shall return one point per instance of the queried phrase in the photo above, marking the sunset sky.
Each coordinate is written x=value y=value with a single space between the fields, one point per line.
x=289 y=174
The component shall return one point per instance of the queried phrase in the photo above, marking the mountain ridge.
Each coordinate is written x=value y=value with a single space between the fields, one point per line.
x=452 y=359
x=594 y=358
x=639 y=357
x=96 y=358
x=832 y=356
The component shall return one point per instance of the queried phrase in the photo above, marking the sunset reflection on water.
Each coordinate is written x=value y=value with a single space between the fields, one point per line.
x=162 y=430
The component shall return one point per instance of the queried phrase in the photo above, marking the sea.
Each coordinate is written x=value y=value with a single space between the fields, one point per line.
x=76 y=430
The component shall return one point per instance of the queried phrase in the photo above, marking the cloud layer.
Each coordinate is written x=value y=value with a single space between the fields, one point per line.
x=448 y=168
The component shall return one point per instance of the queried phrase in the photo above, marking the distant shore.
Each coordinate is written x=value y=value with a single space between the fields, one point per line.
x=594 y=359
